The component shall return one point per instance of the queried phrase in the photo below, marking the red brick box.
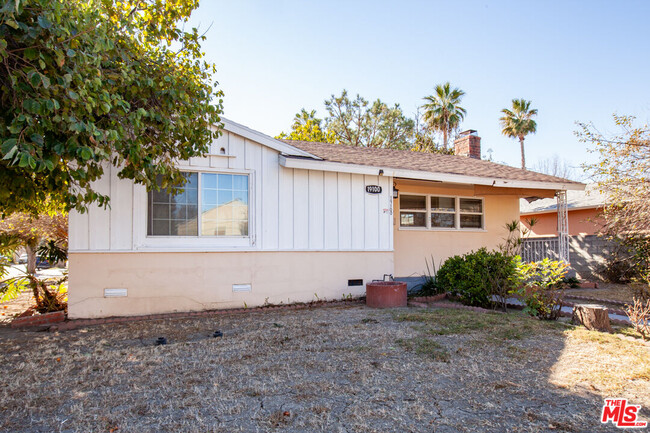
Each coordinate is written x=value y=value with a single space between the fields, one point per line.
x=38 y=320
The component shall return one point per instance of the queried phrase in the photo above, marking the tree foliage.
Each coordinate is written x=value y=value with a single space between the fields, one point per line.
x=424 y=138
x=623 y=174
x=29 y=231
x=442 y=110
x=307 y=127
x=87 y=83
x=517 y=122
x=356 y=122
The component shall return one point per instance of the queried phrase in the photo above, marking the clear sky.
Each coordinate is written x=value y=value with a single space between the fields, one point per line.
x=576 y=60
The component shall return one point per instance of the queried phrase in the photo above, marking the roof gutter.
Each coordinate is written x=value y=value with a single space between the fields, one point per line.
x=308 y=164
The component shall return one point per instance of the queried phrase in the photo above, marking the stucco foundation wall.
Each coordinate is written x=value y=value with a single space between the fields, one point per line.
x=413 y=246
x=179 y=281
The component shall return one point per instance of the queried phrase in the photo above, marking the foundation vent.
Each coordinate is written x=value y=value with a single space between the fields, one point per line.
x=115 y=293
x=241 y=287
x=355 y=282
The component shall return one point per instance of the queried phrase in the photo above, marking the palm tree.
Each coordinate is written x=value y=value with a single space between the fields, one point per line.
x=518 y=122
x=443 y=112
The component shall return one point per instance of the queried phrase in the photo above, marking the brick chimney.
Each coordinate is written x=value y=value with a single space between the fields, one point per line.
x=468 y=143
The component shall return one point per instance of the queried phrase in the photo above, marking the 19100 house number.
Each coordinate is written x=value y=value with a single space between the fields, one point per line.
x=373 y=189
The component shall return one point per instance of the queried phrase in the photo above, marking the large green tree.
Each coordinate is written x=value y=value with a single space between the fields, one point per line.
x=517 y=122
x=87 y=83
x=356 y=122
x=306 y=126
x=442 y=110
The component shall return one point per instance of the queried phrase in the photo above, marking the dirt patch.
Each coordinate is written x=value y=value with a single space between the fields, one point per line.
x=607 y=291
x=327 y=369
x=15 y=307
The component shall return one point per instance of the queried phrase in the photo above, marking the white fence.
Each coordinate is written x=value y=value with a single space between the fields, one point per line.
x=533 y=250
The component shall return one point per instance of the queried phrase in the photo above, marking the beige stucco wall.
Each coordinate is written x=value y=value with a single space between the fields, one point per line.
x=412 y=247
x=188 y=281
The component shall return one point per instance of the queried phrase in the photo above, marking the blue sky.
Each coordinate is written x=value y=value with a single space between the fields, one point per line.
x=576 y=60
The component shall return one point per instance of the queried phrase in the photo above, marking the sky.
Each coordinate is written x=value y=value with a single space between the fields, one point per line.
x=575 y=60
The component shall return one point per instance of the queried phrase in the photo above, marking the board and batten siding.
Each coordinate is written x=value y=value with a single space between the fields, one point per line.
x=289 y=209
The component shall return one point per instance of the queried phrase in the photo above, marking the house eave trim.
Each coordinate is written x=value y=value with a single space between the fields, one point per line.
x=263 y=139
x=308 y=164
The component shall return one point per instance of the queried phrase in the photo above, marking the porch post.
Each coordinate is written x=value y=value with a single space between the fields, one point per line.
x=563 y=226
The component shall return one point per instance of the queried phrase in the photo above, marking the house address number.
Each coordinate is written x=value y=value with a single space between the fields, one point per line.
x=373 y=189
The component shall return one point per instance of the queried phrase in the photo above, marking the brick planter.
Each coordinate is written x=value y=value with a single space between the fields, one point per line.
x=386 y=294
x=38 y=320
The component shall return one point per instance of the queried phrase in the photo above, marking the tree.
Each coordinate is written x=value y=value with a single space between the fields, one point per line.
x=555 y=166
x=443 y=112
x=29 y=231
x=357 y=123
x=306 y=126
x=50 y=232
x=622 y=173
x=518 y=123
x=424 y=139
x=87 y=83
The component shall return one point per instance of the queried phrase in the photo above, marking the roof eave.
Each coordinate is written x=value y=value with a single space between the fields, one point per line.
x=309 y=164
x=264 y=139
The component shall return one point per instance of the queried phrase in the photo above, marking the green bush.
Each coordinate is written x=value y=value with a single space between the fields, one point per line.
x=542 y=287
x=475 y=277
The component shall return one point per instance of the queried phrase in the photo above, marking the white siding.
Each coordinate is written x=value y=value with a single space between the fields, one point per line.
x=330 y=211
x=290 y=209
x=315 y=222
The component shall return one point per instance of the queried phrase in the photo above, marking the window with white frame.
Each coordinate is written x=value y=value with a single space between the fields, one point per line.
x=441 y=212
x=209 y=204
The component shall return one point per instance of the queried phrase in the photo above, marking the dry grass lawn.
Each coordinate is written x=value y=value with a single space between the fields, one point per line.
x=613 y=292
x=343 y=369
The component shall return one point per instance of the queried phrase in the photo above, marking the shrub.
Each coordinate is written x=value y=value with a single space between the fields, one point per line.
x=475 y=277
x=429 y=286
x=639 y=315
x=571 y=282
x=542 y=288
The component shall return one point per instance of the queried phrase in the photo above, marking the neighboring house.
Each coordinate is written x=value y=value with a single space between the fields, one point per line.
x=587 y=250
x=265 y=220
x=583 y=209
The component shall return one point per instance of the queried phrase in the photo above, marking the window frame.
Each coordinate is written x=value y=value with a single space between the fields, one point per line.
x=425 y=211
x=428 y=212
x=142 y=242
x=199 y=220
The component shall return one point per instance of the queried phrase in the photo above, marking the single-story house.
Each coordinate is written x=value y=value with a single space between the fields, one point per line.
x=588 y=251
x=264 y=220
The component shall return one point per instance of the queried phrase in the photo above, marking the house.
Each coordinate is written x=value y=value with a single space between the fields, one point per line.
x=584 y=209
x=265 y=220
x=588 y=251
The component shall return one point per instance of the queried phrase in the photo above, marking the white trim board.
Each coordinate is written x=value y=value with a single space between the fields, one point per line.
x=309 y=164
x=263 y=139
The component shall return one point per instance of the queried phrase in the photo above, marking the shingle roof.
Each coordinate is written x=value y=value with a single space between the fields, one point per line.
x=428 y=162
x=591 y=197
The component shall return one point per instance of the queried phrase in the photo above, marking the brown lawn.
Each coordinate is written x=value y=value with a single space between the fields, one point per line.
x=337 y=369
x=608 y=291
